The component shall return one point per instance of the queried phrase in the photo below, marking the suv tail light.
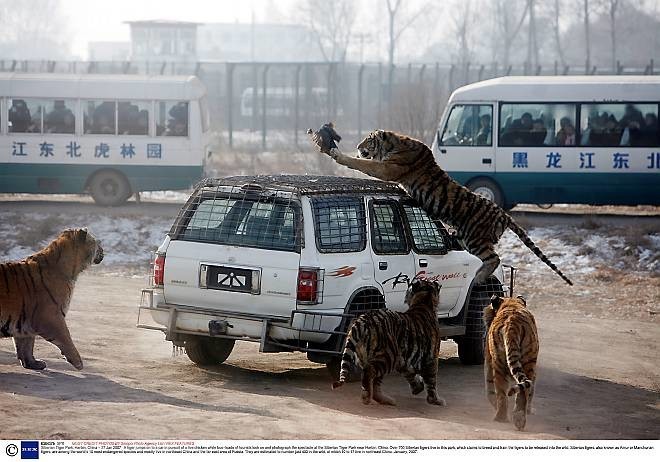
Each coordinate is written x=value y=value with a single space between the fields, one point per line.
x=159 y=270
x=308 y=285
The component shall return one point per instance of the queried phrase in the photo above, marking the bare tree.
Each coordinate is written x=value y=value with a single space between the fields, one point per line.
x=399 y=21
x=556 y=13
x=508 y=27
x=33 y=29
x=532 y=43
x=612 y=7
x=587 y=37
x=332 y=24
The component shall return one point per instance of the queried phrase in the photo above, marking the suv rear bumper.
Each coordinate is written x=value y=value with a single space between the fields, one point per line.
x=321 y=331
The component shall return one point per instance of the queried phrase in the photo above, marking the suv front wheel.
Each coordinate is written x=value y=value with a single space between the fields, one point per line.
x=205 y=351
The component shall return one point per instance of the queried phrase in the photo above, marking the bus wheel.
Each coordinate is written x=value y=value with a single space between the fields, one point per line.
x=487 y=189
x=109 y=188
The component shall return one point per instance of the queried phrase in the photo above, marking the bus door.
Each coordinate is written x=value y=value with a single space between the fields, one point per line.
x=464 y=145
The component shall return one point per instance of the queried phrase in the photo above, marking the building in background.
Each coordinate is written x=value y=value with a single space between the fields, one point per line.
x=164 y=41
x=180 y=41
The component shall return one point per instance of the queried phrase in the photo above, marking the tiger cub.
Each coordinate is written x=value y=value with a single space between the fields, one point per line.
x=479 y=222
x=512 y=347
x=35 y=295
x=383 y=341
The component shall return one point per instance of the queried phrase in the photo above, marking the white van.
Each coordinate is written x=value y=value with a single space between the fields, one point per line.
x=111 y=135
x=544 y=140
x=287 y=261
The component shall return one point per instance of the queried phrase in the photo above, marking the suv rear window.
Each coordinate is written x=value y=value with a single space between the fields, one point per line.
x=340 y=224
x=250 y=222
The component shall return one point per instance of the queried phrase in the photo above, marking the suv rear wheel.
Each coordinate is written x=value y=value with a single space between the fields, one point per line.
x=471 y=345
x=205 y=351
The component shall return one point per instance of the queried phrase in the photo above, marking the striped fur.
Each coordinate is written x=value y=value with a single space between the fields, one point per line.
x=35 y=295
x=383 y=341
x=479 y=222
x=512 y=348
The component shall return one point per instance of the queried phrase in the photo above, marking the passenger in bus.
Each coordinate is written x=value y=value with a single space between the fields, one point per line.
x=483 y=137
x=566 y=134
x=60 y=120
x=518 y=133
x=538 y=133
x=142 y=127
x=20 y=120
x=177 y=125
x=104 y=118
x=470 y=126
x=631 y=125
x=650 y=134
x=127 y=115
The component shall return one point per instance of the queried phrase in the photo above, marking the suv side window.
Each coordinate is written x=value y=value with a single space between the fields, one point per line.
x=340 y=224
x=387 y=232
x=426 y=234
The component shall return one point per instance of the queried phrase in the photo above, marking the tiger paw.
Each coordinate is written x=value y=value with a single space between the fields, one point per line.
x=436 y=401
x=417 y=386
x=519 y=420
x=384 y=399
x=77 y=363
x=34 y=364
x=501 y=418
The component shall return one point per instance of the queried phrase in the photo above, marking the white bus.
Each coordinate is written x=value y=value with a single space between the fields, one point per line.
x=110 y=135
x=587 y=139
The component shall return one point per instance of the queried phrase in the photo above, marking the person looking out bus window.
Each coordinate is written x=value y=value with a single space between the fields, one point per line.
x=60 y=120
x=566 y=134
x=19 y=117
x=483 y=137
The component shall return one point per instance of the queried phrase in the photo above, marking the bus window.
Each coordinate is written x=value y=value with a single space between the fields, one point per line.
x=468 y=125
x=533 y=124
x=623 y=124
x=172 y=118
x=25 y=115
x=133 y=117
x=99 y=117
x=60 y=116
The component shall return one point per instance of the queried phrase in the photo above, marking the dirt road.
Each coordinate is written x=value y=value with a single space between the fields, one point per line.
x=599 y=379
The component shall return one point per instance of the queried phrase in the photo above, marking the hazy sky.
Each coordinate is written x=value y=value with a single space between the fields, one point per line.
x=103 y=20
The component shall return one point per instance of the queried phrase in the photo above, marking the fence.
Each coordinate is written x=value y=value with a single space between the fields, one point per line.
x=261 y=106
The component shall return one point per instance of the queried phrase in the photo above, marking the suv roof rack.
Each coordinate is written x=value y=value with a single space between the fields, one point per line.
x=304 y=184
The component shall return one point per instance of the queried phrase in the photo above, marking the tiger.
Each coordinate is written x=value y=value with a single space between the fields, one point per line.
x=512 y=348
x=479 y=222
x=383 y=341
x=35 y=295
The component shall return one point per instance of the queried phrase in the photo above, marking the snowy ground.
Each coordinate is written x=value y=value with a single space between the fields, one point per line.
x=129 y=238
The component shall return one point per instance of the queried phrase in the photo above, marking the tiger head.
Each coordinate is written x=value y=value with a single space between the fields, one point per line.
x=496 y=302
x=81 y=239
x=386 y=146
x=422 y=292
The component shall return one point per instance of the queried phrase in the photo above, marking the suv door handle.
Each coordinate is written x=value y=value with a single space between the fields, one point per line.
x=382 y=265
x=423 y=263
x=486 y=160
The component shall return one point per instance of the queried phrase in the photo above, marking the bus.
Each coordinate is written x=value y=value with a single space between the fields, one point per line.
x=109 y=135
x=546 y=140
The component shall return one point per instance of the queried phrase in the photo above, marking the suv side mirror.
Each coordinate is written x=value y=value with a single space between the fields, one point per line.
x=454 y=242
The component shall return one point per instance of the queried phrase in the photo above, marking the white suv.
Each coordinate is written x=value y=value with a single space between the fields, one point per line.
x=287 y=261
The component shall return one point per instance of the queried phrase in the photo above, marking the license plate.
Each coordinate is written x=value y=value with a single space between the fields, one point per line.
x=229 y=279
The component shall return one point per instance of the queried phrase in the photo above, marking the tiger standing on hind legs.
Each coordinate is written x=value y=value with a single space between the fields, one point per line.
x=35 y=294
x=479 y=222
x=512 y=348
x=384 y=341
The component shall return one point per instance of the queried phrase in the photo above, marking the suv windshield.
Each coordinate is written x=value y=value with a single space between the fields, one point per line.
x=246 y=221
